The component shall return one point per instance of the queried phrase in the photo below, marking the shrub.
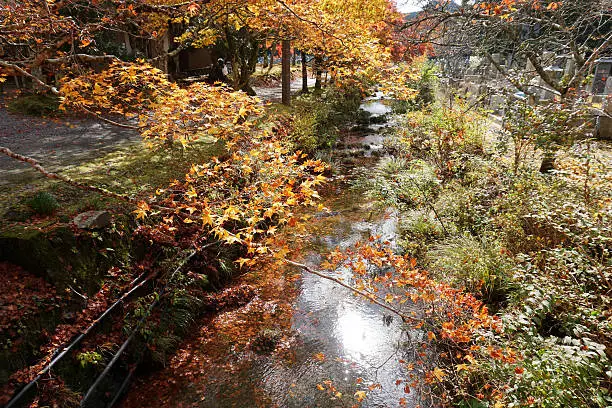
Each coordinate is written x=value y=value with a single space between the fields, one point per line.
x=43 y=203
x=553 y=373
x=426 y=86
x=419 y=229
x=400 y=183
x=318 y=117
x=479 y=265
x=36 y=105
x=442 y=136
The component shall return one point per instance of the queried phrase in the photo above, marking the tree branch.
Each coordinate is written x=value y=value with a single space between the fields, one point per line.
x=22 y=71
x=370 y=297
x=85 y=57
x=506 y=75
x=543 y=74
x=32 y=162
x=580 y=72
x=109 y=121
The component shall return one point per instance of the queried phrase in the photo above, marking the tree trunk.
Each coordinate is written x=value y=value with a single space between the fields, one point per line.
x=243 y=50
x=265 y=57
x=38 y=73
x=286 y=72
x=304 y=73
x=128 y=44
x=318 y=61
x=272 y=49
x=159 y=48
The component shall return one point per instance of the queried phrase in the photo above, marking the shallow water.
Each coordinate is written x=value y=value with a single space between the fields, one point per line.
x=358 y=342
x=375 y=105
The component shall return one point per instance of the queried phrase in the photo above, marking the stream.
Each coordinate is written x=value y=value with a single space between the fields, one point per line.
x=337 y=336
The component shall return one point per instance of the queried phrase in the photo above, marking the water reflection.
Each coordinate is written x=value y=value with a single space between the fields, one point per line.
x=352 y=331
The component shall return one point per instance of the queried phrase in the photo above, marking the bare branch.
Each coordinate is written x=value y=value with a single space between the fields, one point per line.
x=32 y=162
x=84 y=57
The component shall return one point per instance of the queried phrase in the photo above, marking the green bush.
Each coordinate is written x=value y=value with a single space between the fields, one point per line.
x=317 y=117
x=418 y=230
x=43 y=203
x=401 y=183
x=36 y=105
x=555 y=373
x=426 y=86
x=443 y=136
x=479 y=265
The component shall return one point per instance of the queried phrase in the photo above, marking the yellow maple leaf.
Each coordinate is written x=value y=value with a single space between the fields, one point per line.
x=439 y=373
x=360 y=395
x=206 y=218
x=243 y=261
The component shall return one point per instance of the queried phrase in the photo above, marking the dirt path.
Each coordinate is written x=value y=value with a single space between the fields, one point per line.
x=274 y=94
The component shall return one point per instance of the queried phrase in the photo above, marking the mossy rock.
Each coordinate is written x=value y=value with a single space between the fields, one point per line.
x=267 y=340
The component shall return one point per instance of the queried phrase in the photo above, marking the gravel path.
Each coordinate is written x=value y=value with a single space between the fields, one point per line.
x=55 y=144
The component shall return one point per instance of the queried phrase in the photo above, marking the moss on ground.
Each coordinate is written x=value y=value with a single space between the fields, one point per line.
x=135 y=171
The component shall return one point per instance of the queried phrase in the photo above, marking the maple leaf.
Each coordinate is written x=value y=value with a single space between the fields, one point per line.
x=360 y=395
x=439 y=373
x=242 y=261
x=191 y=193
x=193 y=8
x=206 y=218
x=232 y=239
x=142 y=210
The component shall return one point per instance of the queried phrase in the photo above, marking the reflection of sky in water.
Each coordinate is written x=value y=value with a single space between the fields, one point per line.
x=356 y=335
x=375 y=108
x=331 y=320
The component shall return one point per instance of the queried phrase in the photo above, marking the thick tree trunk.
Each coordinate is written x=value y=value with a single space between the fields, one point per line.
x=286 y=72
x=318 y=61
x=304 y=73
x=159 y=48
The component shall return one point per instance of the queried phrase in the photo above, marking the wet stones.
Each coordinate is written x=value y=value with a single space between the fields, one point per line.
x=266 y=341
